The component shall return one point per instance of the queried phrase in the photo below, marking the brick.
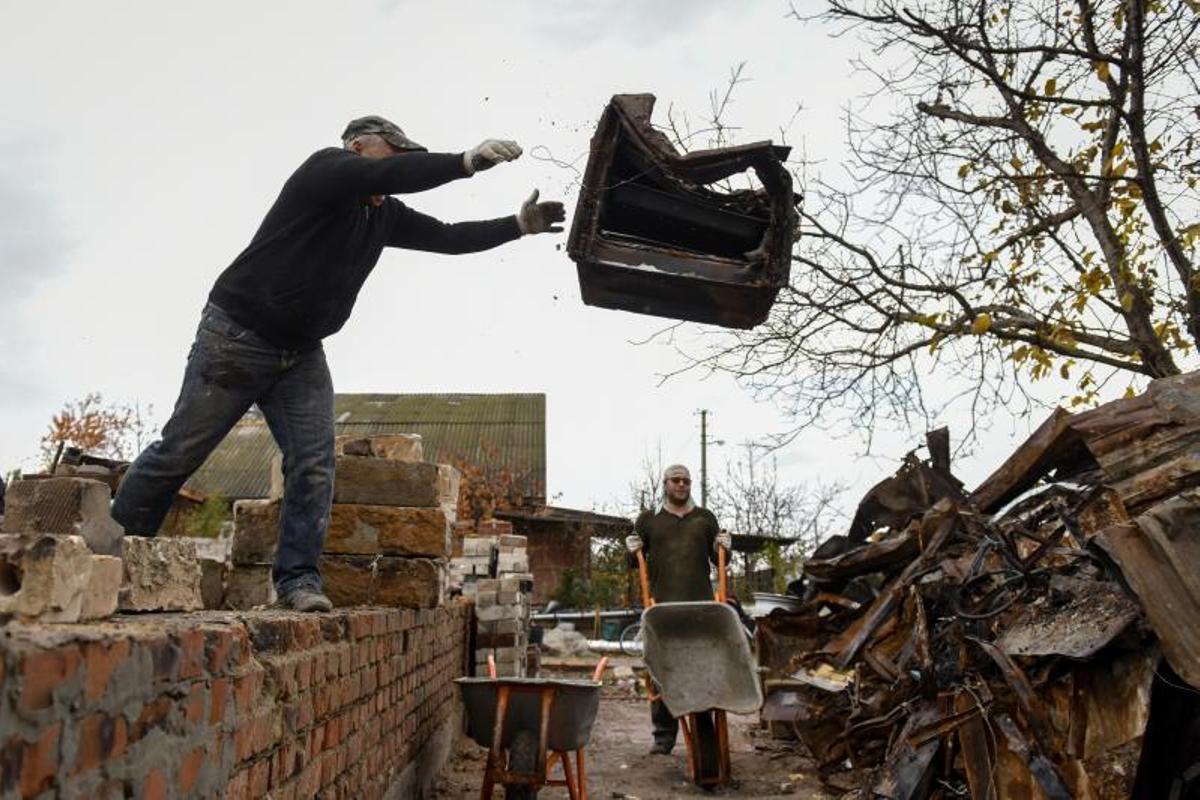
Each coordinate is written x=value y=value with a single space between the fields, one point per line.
x=68 y=506
x=154 y=785
x=255 y=531
x=377 y=481
x=46 y=577
x=220 y=694
x=39 y=762
x=249 y=586
x=101 y=737
x=100 y=660
x=189 y=770
x=191 y=653
x=43 y=672
x=161 y=574
x=372 y=529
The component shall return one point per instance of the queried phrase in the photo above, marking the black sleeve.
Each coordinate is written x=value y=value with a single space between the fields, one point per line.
x=416 y=231
x=335 y=174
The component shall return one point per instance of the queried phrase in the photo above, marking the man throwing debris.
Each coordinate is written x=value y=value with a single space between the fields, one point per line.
x=259 y=339
x=679 y=540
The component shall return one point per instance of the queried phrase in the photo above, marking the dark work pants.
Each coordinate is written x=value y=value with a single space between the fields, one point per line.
x=666 y=727
x=229 y=369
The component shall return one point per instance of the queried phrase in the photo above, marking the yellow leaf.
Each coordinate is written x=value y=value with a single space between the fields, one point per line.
x=981 y=324
x=1129 y=392
x=963 y=170
x=1127 y=301
x=1103 y=71
x=1065 y=371
x=1016 y=162
x=1051 y=86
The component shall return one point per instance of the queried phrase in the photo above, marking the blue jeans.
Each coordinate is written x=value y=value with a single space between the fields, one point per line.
x=229 y=369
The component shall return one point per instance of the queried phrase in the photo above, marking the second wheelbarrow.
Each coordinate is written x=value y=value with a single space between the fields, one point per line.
x=528 y=725
x=699 y=656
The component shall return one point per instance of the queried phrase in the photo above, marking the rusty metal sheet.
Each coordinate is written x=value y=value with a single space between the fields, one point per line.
x=1158 y=556
x=869 y=558
x=1076 y=619
x=904 y=496
x=1124 y=438
x=908 y=770
x=651 y=236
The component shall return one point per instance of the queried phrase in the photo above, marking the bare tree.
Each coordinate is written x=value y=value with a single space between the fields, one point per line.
x=751 y=500
x=1023 y=207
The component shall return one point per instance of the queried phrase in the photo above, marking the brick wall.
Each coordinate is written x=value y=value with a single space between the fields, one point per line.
x=359 y=703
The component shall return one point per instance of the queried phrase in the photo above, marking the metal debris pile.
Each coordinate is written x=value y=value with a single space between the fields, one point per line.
x=1008 y=642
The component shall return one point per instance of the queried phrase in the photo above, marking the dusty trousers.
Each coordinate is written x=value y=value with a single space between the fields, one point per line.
x=229 y=369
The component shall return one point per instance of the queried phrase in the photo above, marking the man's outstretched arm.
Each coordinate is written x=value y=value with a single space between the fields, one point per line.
x=416 y=231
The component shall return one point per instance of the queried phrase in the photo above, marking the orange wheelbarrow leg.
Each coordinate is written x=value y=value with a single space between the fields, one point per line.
x=582 y=770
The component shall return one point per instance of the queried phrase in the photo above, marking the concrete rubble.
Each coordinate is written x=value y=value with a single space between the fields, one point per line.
x=67 y=506
x=56 y=578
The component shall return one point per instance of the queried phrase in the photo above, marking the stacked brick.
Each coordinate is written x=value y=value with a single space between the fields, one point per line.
x=354 y=704
x=64 y=559
x=493 y=570
x=389 y=533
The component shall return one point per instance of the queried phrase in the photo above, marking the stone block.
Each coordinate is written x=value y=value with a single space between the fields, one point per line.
x=391 y=581
x=495 y=613
x=513 y=540
x=212 y=583
x=67 y=506
x=255 y=531
x=395 y=447
x=161 y=574
x=378 y=481
x=103 y=589
x=54 y=578
x=448 y=485
x=388 y=530
x=248 y=586
x=500 y=626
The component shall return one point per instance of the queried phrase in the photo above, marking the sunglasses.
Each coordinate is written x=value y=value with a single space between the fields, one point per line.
x=680 y=480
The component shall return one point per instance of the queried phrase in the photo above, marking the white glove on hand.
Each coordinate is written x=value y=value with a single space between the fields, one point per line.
x=725 y=539
x=633 y=543
x=535 y=217
x=489 y=153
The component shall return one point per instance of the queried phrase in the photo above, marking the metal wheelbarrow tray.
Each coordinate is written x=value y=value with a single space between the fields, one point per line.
x=529 y=726
x=571 y=716
x=650 y=235
x=700 y=657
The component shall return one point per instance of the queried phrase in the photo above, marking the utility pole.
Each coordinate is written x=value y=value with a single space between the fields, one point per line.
x=704 y=457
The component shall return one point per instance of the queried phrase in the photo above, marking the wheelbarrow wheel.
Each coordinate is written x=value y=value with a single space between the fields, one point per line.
x=708 y=749
x=522 y=758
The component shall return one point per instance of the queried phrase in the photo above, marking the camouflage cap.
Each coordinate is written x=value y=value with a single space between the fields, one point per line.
x=389 y=131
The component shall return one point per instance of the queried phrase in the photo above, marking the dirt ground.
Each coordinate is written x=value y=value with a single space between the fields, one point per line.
x=619 y=764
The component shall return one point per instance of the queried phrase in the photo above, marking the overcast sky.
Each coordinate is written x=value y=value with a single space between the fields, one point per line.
x=141 y=144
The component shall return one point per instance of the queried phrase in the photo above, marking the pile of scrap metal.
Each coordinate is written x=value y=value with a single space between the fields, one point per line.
x=1038 y=637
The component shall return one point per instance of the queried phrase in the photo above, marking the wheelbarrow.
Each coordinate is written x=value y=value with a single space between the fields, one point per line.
x=699 y=657
x=530 y=725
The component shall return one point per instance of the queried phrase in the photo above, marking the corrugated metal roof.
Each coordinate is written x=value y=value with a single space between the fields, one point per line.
x=491 y=431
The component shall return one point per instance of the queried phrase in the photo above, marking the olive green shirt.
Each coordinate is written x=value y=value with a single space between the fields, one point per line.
x=678 y=551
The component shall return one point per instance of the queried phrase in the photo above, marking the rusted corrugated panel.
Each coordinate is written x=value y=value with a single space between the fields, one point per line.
x=650 y=236
x=1082 y=619
x=1158 y=555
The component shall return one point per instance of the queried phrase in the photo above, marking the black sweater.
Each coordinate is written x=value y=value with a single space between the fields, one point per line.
x=298 y=279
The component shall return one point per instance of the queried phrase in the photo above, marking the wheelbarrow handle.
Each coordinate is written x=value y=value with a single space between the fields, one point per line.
x=644 y=576
x=722 y=576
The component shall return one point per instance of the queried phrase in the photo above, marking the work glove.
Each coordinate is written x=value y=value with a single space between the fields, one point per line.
x=535 y=217
x=725 y=539
x=633 y=543
x=489 y=153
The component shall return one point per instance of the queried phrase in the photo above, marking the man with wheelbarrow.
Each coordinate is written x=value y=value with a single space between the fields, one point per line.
x=679 y=539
